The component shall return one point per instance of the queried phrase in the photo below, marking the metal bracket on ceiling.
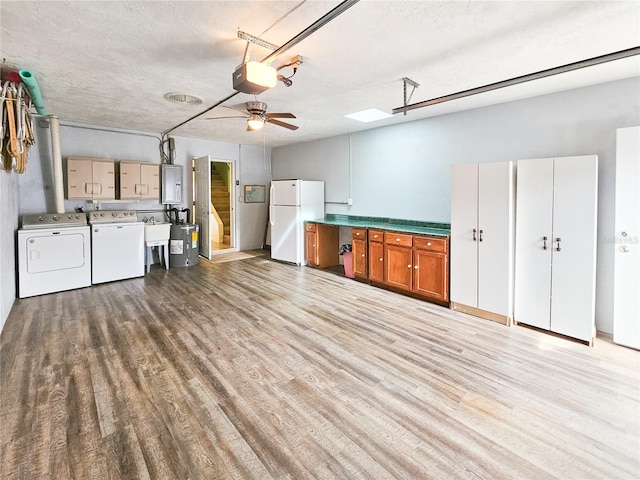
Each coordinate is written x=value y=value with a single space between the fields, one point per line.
x=407 y=81
x=251 y=39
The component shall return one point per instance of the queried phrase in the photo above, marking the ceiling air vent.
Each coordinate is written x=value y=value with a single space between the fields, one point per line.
x=177 y=97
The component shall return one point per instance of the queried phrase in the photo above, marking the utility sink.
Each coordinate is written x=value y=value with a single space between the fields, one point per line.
x=158 y=231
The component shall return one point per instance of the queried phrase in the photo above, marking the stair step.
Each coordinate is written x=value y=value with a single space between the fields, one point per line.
x=227 y=239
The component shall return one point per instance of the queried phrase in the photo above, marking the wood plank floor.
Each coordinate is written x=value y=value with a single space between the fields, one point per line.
x=254 y=369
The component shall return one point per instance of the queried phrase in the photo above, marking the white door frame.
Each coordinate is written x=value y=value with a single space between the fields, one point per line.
x=232 y=204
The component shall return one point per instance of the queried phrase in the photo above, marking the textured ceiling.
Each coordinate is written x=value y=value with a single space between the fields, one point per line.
x=110 y=63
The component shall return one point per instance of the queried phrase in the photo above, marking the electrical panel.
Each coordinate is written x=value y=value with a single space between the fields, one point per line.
x=171 y=184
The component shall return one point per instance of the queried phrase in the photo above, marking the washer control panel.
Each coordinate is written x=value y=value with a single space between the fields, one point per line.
x=113 y=216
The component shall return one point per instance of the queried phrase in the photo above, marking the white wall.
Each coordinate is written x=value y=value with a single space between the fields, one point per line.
x=403 y=171
x=9 y=192
x=252 y=167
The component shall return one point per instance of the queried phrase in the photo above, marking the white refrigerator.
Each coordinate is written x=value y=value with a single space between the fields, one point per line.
x=291 y=202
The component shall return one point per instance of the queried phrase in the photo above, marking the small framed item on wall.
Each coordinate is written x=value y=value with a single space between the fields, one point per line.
x=255 y=193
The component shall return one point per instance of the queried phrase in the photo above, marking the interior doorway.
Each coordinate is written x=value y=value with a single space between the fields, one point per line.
x=214 y=192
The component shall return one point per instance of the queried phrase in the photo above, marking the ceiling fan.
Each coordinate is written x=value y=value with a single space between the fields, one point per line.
x=257 y=116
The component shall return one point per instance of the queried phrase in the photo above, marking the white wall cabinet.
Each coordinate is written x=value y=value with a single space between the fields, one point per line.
x=482 y=239
x=555 y=262
x=90 y=179
x=626 y=280
x=139 y=181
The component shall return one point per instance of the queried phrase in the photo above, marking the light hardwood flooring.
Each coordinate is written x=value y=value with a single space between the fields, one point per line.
x=254 y=369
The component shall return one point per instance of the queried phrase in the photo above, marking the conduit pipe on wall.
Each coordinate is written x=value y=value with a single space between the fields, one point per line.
x=58 y=189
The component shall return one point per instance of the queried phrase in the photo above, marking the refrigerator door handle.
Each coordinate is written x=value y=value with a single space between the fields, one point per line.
x=271 y=204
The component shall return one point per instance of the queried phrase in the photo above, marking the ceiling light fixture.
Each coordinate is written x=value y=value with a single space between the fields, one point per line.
x=255 y=122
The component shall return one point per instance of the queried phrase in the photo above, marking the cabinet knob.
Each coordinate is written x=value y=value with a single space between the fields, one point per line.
x=358 y=234
x=375 y=236
x=408 y=266
x=381 y=259
x=313 y=245
x=416 y=267
x=397 y=239
x=363 y=254
x=428 y=244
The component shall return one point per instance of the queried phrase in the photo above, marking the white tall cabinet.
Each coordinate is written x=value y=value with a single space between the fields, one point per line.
x=626 y=281
x=555 y=262
x=482 y=240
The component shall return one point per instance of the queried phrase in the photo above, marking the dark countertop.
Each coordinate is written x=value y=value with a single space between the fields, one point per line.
x=380 y=223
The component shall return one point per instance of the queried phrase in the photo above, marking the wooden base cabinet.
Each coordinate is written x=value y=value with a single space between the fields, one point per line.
x=359 y=252
x=556 y=245
x=398 y=260
x=431 y=268
x=376 y=256
x=321 y=245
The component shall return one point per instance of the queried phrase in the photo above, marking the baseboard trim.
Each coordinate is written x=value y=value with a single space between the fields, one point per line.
x=477 y=312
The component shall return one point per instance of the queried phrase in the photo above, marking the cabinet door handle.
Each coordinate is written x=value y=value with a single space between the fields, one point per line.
x=363 y=254
x=408 y=266
x=558 y=239
x=544 y=243
x=397 y=239
x=474 y=234
x=381 y=259
x=480 y=237
x=416 y=267
x=357 y=234
x=428 y=244
x=313 y=245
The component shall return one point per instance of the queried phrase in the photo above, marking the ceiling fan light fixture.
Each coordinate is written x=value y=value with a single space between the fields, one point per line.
x=255 y=122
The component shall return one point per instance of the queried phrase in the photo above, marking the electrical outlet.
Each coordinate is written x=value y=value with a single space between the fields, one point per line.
x=349 y=201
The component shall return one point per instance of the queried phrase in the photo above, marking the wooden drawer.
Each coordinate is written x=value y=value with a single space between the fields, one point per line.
x=376 y=236
x=430 y=243
x=359 y=233
x=402 y=239
x=310 y=227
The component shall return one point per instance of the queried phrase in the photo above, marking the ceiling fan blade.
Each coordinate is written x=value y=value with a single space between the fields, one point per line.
x=280 y=115
x=282 y=124
x=218 y=118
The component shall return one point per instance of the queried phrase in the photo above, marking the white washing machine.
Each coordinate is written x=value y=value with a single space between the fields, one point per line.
x=54 y=253
x=117 y=245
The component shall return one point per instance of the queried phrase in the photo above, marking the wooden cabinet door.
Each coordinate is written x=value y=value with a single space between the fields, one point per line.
x=376 y=261
x=398 y=266
x=430 y=274
x=79 y=179
x=311 y=252
x=104 y=180
x=149 y=181
x=359 y=254
x=129 y=180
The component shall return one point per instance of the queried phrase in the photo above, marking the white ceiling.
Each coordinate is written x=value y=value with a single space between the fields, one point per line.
x=110 y=63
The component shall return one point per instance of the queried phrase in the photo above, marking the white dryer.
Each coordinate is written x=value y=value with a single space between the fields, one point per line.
x=54 y=253
x=117 y=244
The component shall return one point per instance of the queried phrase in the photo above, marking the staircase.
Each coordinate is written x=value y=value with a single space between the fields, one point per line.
x=220 y=200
